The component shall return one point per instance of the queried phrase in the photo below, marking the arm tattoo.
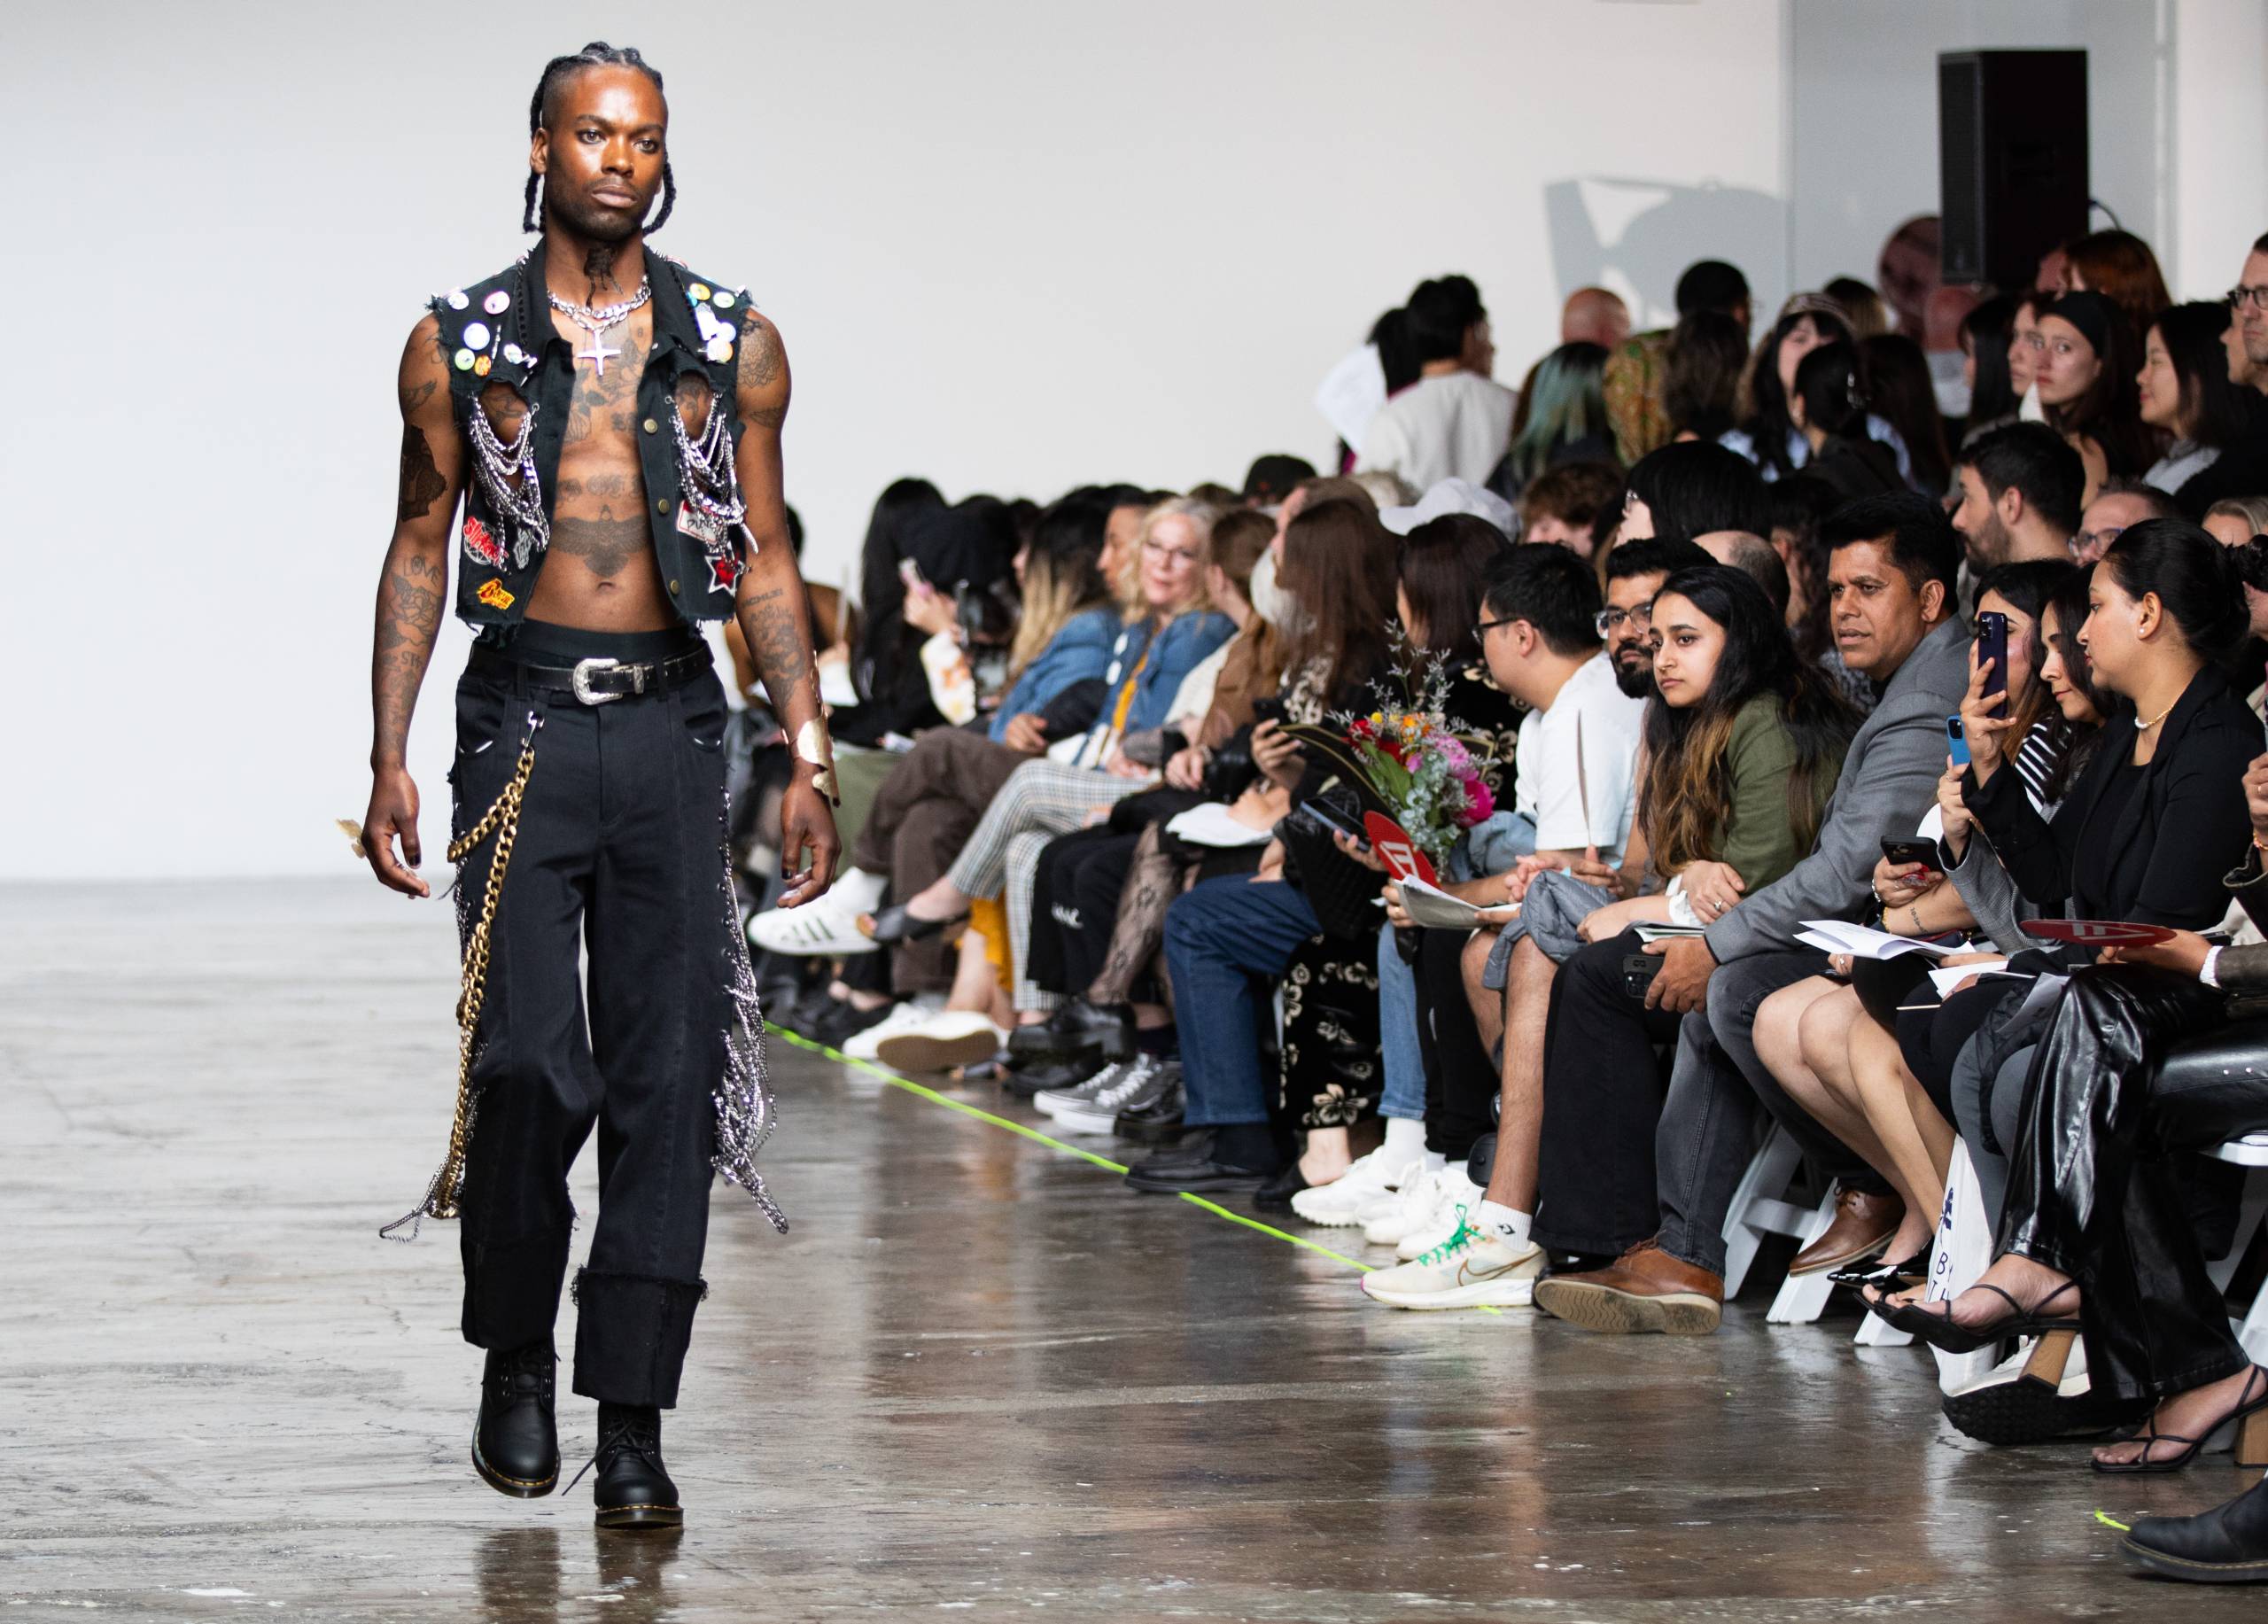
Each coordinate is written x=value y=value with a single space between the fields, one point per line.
x=779 y=643
x=421 y=481
x=409 y=616
x=759 y=357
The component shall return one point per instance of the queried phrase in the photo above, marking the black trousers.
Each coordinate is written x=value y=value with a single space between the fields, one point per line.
x=1461 y=1081
x=1075 y=903
x=1603 y=1087
x=618 y=856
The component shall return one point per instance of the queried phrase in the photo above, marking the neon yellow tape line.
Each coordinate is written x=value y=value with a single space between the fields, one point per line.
x=2109 y=1521
x=883 y=1074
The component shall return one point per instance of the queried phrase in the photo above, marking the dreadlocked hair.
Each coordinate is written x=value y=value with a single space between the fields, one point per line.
x=598 y=53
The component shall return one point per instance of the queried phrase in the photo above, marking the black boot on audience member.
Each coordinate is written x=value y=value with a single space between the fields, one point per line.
x=1076 y=1027
x=515 y=1442
x=2226 y=1545
x=633 y=1488
x=1234 y=1156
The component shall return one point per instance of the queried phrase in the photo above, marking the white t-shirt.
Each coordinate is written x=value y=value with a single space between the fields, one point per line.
x=1459 y=424
x=1545 y=784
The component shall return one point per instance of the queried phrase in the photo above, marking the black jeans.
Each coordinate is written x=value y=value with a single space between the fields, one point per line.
x=1602 y=1093
x=618 y=853
x=1461 y=1081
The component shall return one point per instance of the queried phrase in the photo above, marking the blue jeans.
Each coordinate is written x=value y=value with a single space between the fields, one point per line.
x=1219 y=936
x=1490 y=847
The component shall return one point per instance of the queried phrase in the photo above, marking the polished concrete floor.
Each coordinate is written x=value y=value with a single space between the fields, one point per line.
x=977 y=1378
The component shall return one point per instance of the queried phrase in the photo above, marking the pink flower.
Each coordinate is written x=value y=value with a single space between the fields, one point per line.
x=1479 y=804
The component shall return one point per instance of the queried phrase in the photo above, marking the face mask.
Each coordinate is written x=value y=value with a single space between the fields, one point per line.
x=1269 y=602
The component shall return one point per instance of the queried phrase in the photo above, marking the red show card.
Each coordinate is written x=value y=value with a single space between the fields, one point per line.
x=1398 y=852
x=2098 y=932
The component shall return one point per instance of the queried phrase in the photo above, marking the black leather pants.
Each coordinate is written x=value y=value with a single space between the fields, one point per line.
x=2130 y=1075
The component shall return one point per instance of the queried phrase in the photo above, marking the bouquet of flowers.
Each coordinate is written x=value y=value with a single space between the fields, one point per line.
x=1419 y=764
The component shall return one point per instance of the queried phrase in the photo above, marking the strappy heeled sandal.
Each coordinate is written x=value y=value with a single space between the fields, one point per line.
x=1938 y=1329
x=894 y=925
x=1886 y=1278
x=2249 y=1417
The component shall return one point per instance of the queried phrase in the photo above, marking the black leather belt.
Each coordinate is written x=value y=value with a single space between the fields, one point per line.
x=598 y=681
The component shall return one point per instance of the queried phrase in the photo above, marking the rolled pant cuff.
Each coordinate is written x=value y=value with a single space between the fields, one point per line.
x=511 y=1289
x=631 y=1335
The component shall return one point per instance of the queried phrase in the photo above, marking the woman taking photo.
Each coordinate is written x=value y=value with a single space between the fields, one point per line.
x=2147 y=835
x=1745 y=742
x=2187 y=395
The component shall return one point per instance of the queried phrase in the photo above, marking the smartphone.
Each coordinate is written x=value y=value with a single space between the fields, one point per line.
x=1906 y=852
x=1956 y=742
x=1638 y=973
x=1331 y=818
x=1992 y=644
x=1268 y=708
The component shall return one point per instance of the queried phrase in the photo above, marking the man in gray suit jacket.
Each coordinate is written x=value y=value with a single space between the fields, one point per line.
x=1893 y=565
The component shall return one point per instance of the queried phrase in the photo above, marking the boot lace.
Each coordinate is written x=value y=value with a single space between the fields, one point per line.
x=635 y=1436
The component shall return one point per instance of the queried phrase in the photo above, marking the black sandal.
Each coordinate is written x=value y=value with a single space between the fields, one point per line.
x=2246 y=1417
x=1938 y=1329
x=894 y=925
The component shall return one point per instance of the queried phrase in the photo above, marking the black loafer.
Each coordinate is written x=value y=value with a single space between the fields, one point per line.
x=1205 y=1178
x=515 y=1442
x=633 y=1488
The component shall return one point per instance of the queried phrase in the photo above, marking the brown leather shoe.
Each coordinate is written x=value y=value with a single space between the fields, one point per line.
x=1864 y=1223
x=1645 y=1289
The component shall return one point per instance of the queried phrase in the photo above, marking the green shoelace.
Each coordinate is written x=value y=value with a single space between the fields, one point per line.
x=1457 y=1242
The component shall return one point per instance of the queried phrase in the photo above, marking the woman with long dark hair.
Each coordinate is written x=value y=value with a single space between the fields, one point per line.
x=1986 y=334
x=1744 y=742
x=2088 y=364
x=2148 y=833
x=1830 y=405
x=2186 y=392
x=1901 y=393
x=1768 y=435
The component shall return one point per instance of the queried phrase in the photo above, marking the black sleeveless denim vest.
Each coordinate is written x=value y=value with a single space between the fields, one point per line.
x=499 y=330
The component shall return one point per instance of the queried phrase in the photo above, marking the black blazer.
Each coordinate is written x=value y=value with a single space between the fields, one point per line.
x=2176 y=839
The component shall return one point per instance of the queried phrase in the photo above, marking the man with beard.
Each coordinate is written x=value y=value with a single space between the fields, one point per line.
x=612 y=423
x=2020 y=490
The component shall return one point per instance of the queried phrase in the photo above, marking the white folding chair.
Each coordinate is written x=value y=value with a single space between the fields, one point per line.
x=1759 y=1208
x=2251 y=1153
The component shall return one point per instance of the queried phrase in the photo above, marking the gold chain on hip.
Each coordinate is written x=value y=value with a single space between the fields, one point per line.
x=501 y=820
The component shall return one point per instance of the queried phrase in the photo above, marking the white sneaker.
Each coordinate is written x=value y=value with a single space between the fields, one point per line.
x=943 y=1039
x=1458 y=1196
x=826 y=928
x=1469 y=1269
x=1355 y=1192
x=1415 y=1206
x=865 y=1044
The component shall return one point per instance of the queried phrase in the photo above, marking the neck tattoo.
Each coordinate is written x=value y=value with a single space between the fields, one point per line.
x=598 y=322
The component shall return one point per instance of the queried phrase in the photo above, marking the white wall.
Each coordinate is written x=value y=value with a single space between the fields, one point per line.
x=1013 y=247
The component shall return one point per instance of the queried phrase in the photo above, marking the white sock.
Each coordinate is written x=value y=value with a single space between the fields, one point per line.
x=1405 y=1141
x=1435 y=1161
x=860 y=890
x=1507 y=1223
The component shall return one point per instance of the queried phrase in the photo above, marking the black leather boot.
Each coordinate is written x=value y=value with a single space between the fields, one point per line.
x=633 y=1488
x=2226 y=1545
x=515 y=1442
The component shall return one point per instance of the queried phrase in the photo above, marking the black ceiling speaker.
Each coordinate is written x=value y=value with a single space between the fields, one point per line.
x=2012 y=161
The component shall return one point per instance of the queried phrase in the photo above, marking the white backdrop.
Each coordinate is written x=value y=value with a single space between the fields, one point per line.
x=1012 y=246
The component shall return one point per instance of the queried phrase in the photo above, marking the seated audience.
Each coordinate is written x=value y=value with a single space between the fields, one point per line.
x=1687 y=489
x=1986 y=334
x=2120 y=504
x=2121 y=266
x=1893 y=560
x=2088 y=364
x=1768 y=435
x=1561 y=505
x=1743 y=743
x=1635 y=373
x=1828 y=404
x=1561 y=418
x=1904 y=395
x=1701 y=373
x=1594 y=316
x=2186 y=394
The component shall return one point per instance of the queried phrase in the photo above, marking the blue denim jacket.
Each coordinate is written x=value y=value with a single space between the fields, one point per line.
x=1179 y=648
x=1079 y=650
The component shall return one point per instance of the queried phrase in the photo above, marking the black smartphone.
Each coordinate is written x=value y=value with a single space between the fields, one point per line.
x=1269 y=709
x=1909 y=851
x=1992 y=644
x=1956 y=742
x=1331 y=818
x=1638 y=973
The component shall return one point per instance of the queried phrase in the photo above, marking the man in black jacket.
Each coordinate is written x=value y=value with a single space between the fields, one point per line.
x=2242 y=470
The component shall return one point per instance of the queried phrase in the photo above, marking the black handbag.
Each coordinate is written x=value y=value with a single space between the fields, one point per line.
x=1343 y=892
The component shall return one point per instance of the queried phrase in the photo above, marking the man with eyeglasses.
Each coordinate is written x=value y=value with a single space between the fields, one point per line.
x=2121 y=504
x=2242 y=470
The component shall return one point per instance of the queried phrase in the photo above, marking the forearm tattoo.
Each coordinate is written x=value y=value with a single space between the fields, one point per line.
x=420 y=480
x=409 y=617
x=780 y=644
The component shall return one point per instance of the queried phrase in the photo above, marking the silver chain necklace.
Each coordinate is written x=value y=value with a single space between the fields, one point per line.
x=597 y=321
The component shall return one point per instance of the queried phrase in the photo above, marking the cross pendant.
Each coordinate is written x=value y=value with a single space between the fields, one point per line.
x=597 y=353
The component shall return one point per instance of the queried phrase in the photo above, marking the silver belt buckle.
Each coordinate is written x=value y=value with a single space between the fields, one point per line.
x=584 y=670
